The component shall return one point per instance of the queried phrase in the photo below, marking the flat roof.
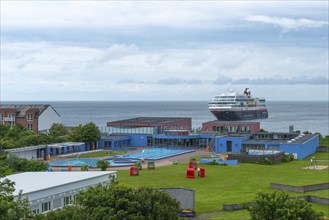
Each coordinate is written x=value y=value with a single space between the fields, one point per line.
x=150 y=120
x=300 y=139
x=230 y=122
x=65 y=144
x=36 y=181
x=26 y=148
x=114 y=137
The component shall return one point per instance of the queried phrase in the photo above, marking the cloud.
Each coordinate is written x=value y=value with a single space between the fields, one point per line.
x=288 y=24
x=278 y=80
x=175 y=81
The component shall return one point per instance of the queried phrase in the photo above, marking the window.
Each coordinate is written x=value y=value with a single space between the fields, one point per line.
x=45 y=206
x=69 y=200
x=30 y=127
x=10 y=115
x=29 y=117
x=1 y=117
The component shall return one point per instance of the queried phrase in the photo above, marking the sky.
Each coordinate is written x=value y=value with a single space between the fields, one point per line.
x=163 y=50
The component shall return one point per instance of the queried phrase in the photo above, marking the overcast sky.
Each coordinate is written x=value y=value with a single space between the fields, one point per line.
x=172 y=50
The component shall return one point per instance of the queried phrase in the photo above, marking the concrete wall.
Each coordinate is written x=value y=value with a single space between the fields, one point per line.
x=186 y=197
x=47 y=118
x=246 y=158
x=300 y=189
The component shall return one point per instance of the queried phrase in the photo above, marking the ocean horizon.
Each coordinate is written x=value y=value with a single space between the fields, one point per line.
x=312 y=116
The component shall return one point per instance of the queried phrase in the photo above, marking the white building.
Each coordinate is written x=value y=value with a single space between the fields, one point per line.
x=47 y=191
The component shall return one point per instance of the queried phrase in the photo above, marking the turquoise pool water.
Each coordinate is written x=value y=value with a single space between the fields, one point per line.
x=91 y=162
x=77 y=162
x=157 y=153
x=124 y=160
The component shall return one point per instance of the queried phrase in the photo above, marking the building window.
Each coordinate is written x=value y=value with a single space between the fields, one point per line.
x=69 y=200
x=29 y=117
x=45 y=206
x=10 y=115
x=30 y=127
x=1 y=117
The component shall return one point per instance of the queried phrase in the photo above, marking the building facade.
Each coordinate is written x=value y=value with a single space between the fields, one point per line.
x=36 y=118
x=47 y=191
x=228 y=137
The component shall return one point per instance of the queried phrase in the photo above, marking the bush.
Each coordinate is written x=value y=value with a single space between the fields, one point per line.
x=23 y=165
x=266 y=161
x=288 y=158
x=103 y=164
x=277 y=205
x=119 y=202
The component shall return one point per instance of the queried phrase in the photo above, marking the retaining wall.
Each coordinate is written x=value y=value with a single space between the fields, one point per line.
x=322 y=149
x=300 y=189
x=247 y=158
x=183 y=195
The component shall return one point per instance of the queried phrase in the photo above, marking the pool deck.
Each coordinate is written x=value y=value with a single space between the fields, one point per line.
x=183 y=158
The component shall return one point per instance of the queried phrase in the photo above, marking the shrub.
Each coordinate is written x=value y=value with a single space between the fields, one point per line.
x=103 y=164
x=277 y=205
x=288 y=157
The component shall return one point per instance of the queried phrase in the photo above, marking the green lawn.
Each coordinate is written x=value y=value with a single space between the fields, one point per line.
x=229 y=184
x=104 y=153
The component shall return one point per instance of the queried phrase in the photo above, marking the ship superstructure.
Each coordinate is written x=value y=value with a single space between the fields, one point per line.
x=235 y=106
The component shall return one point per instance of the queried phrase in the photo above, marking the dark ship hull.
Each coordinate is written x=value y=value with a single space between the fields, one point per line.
x=240 y=115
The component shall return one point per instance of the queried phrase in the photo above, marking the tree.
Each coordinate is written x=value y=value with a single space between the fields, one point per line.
x=88 y=133
x=120 y=202
x=277 y=205
x=58 y=129
x=9 y=207
x=103 y=164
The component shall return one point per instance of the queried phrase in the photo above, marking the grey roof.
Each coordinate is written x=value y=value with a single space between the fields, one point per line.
x=150 y=120
x=21 y=109
x=26 y=148
x=113 y=137
x=58 y=145
x=300 y=139
x=35 y=181
x=230 y=122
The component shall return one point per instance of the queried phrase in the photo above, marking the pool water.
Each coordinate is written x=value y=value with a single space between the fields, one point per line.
x=157 y=153
x=124 y=160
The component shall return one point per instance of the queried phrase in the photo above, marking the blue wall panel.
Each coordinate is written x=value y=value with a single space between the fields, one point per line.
x=302 y=150
x=221 y=143
x=139 y=140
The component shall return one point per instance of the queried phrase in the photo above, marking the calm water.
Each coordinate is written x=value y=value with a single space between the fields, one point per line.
x=303 y=115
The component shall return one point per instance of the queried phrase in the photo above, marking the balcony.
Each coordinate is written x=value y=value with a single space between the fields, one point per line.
x=9 y=119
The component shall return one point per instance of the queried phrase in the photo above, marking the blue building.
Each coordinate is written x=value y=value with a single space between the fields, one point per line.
x=300 y=145
x=176 y=132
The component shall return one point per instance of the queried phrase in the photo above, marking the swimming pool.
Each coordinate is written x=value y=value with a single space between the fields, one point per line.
x=157 y=153
x=77 y=162
x=124 y=160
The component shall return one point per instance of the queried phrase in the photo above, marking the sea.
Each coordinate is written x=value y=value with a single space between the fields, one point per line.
x=312 y=116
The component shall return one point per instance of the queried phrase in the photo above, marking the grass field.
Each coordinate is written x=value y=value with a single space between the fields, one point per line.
x=103 y=153
x=231 y=184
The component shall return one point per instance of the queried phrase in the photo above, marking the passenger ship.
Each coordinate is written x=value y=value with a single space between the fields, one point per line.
x=235 y=106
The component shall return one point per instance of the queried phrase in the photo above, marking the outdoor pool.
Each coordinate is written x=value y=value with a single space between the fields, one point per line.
x=93 y=162
x=156 y=153
x=124 y=160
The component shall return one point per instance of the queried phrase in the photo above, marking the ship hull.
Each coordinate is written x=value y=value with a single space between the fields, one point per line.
x=231 y=115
